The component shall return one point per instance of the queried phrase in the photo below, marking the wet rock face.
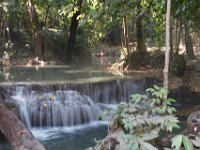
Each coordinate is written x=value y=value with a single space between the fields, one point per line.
x=193 y=123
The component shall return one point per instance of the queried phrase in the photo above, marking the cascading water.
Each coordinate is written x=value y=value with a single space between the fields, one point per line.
x=59 y=108
x=70 y=104
x=22 y=105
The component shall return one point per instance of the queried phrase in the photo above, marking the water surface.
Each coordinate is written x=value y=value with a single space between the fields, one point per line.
x=51 y=73
x=67 y=138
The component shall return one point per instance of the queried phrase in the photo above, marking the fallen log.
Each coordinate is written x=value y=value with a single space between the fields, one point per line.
x=16 y=132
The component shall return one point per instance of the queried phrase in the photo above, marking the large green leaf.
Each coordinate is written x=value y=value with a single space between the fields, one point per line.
x=187 y=143
x=177 y=141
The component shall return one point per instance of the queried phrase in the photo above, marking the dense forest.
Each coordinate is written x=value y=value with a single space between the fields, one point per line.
x=71 y=30
x=146 y=35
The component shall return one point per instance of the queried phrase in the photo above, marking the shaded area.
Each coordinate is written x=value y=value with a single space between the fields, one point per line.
x=4 y=144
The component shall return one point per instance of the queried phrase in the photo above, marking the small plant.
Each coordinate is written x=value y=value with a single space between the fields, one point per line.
x=144 y=117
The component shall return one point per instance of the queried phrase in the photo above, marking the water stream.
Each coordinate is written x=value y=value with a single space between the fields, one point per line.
x=64 y=113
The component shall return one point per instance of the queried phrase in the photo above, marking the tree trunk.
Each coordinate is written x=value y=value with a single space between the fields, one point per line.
x=188 y=41
x=167 y=46
x=171 y=41
x=70 y=53
x=46 y=15
x=72 y=34
x=15 y=131
x=178 y=34
x=125 y=34
x=141 y=48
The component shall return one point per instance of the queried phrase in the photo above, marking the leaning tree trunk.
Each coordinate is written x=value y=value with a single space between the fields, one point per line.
x=167 y=46
x=141 y=48
x=15 y=131
x=188 y=42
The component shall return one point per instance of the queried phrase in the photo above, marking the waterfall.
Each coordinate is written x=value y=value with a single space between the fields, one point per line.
x=61 y=108
x=22 y=105
x=58 y=108
x=52 y=105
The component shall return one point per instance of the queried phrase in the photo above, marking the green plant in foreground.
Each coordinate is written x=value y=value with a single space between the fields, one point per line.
x=180 y=140
x=144 y=117
x=186 y=142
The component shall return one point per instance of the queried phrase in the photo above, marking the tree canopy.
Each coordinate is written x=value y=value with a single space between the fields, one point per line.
x=74 y=28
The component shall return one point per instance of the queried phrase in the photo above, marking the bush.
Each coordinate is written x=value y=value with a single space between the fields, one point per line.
x=145 y=117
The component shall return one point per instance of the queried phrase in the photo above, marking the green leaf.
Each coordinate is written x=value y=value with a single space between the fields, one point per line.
x=187 y=143
x=150 y=90
x=156 y=87
x=171 y=100
x=147 y=146
x=150 y=136
x=136 y=98
x=170 y=110
x=177 y=141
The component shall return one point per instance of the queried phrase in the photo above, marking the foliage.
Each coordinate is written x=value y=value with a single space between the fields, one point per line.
x=179 y=140
x=100 y=20
x=55 y=41
x=185 y=141
x=144 y=117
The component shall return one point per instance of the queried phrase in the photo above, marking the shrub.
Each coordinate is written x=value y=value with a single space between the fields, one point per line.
x=145 y=117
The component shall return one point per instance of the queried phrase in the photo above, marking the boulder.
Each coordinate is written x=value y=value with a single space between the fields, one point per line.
x=193 y=123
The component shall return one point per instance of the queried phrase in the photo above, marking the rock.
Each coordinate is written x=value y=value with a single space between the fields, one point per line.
x=113 y=141
x=193 y=123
